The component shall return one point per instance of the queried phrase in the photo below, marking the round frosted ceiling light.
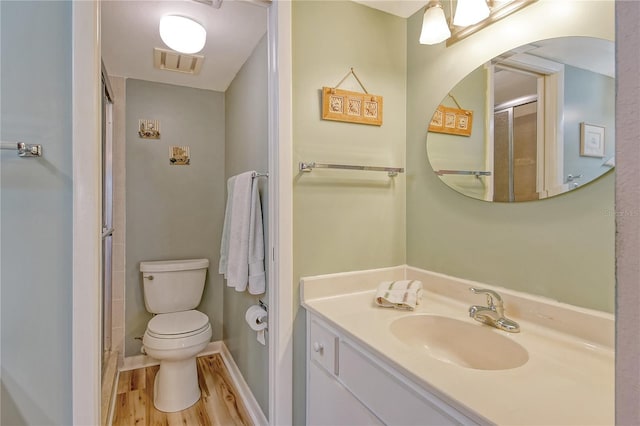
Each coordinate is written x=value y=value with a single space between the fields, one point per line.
x=182 y=34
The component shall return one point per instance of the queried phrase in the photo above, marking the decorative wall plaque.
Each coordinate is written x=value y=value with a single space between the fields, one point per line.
x=454 y=121
x=179 y=156
x=149 y=129
x=352 y=107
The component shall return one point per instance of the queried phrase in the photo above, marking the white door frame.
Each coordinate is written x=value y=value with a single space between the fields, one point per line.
x=280 y=216
x=87 y=213
x=86 y=330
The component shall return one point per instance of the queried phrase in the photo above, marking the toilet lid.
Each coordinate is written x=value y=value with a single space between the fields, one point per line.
x=178 y=323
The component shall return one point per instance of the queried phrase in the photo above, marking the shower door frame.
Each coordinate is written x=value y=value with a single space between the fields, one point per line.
x=107 y=212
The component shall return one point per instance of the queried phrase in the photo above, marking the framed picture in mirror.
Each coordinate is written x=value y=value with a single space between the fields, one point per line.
x=591 y=140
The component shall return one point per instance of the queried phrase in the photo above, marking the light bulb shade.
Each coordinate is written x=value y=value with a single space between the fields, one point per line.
x=469 y=12
x=434 y=26
x=182 y=34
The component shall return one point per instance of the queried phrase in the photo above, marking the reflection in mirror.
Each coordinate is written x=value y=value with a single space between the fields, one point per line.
x=543 y=122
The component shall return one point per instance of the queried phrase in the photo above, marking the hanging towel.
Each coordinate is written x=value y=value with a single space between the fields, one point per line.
x=237 y=273
x=404 y=294
x=242 y=244
x=226 y=228
x=256 y=243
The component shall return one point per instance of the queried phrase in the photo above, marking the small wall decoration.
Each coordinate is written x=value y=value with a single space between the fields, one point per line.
x=453 y=121
x=179 y=156
x=352 y=107
x=591 y=140
x=149 y=129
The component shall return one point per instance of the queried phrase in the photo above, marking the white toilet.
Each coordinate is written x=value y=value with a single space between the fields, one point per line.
x=177 y=333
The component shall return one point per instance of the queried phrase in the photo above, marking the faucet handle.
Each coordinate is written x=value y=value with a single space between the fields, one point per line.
x=491 y=295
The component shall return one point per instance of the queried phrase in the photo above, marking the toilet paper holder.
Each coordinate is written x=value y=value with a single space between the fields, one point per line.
x=265 y=307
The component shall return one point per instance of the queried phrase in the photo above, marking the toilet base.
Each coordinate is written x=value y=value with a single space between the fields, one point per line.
x=176 y=385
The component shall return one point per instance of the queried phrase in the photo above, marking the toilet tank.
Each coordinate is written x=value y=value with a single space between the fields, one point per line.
x=173 y=285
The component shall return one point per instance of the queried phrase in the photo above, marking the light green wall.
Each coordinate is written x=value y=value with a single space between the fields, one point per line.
x=345 y=220
x=453 y=152
x=335 y=211
x=247 y=133
x=36 y=202
x=562 y=248
x=173 y=212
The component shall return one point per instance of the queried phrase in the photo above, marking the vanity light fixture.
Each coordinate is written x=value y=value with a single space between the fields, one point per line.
x=434 y=24
x=182 y=34
x=470 y=16
x=469 y=12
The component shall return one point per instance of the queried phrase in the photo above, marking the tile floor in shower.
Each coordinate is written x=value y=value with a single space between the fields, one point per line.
x=220 y=403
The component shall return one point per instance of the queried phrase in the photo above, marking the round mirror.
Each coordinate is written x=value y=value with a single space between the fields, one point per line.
x=532 y=123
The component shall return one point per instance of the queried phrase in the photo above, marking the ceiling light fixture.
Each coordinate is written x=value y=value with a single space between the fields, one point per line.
x=470 y=16
x=182 y=34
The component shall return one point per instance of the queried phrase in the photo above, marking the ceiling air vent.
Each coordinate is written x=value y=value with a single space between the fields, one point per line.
x=174 y=61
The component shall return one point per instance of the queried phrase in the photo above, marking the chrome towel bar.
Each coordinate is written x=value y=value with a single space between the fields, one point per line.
x=24 y=149
x=307 y=167
x=475 y=173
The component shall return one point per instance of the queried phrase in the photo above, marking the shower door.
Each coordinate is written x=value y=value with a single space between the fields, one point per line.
x=515 y=153
x=107 y=214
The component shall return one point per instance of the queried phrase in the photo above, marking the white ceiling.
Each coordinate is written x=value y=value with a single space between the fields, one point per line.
x=402 y=8
x=130 y=32
x=588 y=53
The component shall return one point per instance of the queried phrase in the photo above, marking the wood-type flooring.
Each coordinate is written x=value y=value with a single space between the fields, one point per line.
x=219 y=404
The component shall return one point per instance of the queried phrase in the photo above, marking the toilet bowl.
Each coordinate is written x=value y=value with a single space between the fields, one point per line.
x=178 y=332
x=175 y=343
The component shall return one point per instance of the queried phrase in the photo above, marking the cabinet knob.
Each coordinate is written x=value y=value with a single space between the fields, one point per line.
x=318 y=347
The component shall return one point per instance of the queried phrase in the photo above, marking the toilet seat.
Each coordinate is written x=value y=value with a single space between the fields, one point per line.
x=177 y=325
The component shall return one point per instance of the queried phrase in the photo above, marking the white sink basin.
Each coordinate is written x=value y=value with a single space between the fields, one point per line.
x=467 y=344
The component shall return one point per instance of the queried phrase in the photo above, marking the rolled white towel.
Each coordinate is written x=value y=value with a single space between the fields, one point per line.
x=405 y=294
x=400 y=285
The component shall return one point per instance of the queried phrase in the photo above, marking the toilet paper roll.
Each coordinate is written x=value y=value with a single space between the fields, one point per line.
x=256 y=317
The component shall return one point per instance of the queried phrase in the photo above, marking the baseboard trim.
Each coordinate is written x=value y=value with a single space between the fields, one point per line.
x=253 y=408
x=255 y=412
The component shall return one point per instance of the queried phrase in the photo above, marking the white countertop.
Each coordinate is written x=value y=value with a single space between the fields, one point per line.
x=568 y=379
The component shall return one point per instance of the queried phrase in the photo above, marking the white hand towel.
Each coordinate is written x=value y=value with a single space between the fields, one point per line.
x=256 y=243
x=404 y=294
x=226 y=229
x=400 y=285
x=237 y=262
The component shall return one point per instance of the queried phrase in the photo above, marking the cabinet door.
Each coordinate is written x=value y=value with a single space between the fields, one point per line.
x=323 y=346
x=389 y=395
x=329 y=403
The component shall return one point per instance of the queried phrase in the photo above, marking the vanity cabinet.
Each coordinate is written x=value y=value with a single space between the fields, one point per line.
x=349 y=385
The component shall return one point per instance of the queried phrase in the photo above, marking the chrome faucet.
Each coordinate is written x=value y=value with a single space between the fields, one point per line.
x=493 y=313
